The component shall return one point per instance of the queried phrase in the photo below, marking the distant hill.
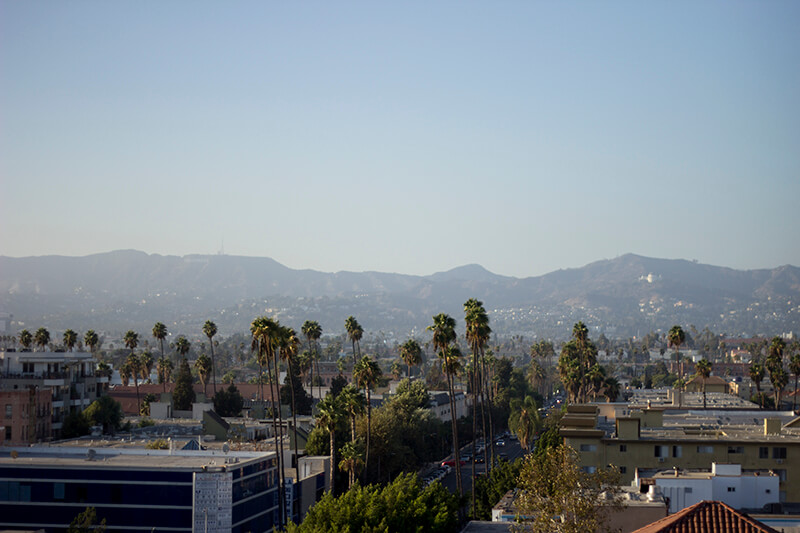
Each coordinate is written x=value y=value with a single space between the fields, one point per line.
x=126 y=289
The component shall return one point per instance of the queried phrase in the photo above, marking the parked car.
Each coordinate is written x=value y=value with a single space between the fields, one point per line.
x=452 y=462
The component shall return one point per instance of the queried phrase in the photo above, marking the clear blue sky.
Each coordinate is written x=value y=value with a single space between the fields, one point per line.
x=407 y=137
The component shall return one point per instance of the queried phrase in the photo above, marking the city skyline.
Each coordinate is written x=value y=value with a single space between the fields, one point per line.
x=525 y=138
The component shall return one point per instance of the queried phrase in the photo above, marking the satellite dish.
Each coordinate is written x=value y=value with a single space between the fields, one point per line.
x=226 y=448
x=14 y=454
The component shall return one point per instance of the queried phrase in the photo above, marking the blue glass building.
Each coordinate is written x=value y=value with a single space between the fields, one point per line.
x=138 y=489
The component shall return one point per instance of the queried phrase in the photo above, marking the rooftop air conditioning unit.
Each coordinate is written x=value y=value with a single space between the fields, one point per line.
x=661 y=459
x=779 y=461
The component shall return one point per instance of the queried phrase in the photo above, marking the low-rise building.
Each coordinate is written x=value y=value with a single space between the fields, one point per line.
x=25 y=416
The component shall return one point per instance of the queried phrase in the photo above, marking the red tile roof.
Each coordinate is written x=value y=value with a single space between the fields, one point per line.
x=707 y=516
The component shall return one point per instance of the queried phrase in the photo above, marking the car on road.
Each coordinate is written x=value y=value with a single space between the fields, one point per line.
x=452 y=462
x=500 y=443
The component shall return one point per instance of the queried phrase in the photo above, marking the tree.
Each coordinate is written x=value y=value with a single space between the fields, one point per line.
x=135 y=367
x=91 y=340
x=411 y=353
x=703 y=369
x=164 y=367
x=75 y=425
x=41 y=338
x=70 y=339
x=524 y=420
x=209 y=330
x=328 y=415
x=25 y=339
x=577 y=364
x=444 y=335
x=183 y=394
x=228 y=402
x=105 y=411
x=203 y=367
x=182 y=346
x=351 y=460
x=556 y=496
x=86 y=522
x=354 y=403
x=367 y=373
x=146 y=360
x=774 y=363
x=288 y=346
x=402 y=505
x=676 y=337
x=160 y=333
x=354 y=333
x=313 y=332
x=611 y=389
x=757 y=375
x=794 y=368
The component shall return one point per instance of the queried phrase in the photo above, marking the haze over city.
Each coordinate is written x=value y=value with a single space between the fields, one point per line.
x=409 y=138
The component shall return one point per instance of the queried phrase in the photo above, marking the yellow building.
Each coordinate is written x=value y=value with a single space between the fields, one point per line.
x=651 y=440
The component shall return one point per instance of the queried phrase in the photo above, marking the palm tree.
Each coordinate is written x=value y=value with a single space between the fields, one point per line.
x=210 y=329
x=524 y=420
x=351 y=461
x=411 y=353
x=756 y=375
x=70 y=339
x=203 y=367
x=354 y=403
x=328 y=415
x=135 y=367
x=125 y=374
x=676 y=337
x=477 y=324
x=146 y=360
x=160 y=333
x=182 y=346
x=774 y=363
x=164 y=368
x=794 y=368
x=367 y=374
x=42 y=338
x=91 y=340
x=289 y=344
x=354 y=333
x=703 y=368
x=313 y=332
x=25 y=339
x=444 y=335
x=611 y=389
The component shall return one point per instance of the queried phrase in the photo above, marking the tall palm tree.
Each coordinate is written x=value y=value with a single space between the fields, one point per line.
x=756 y=375
x=676 y=337
x=794 y=368
x=313 y=332
x=91 y=339
x=703 y=369
x=444 y=335
x=209 y=330
x=42 y=338
x=774 y=363
x=135 y=367
x=25 y=339
x=289 y=345
x=70 y=339
x=164 y=366
x=125 y=373
x=367 y=374
x=203 y=367
x=351 y=461
x=411 y=353
x=328 y=415
x=354 y=333
x=160 y=333
x=354 y=403
x=476 y=320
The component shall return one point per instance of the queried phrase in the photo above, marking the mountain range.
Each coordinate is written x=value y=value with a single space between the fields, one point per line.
x=625 y=296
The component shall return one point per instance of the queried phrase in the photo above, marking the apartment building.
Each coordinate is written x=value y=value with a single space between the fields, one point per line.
x=25 y=416
x=652 y=439
x=68 y=376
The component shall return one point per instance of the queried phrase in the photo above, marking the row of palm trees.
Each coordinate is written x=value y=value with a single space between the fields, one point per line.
x=778 y=374
x=41 y=339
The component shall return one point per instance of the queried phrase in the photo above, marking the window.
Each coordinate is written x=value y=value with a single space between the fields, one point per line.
x=58 y=491
x=661 y=451
x=623 y=470
x=8 y=432
x=589 y=469
x=9 y=411
x=731 y=489
x=82 y=492
x=588 y=447
x=705 y=449
x=735 y=449
x=779 y=453
x=116 y=494
x=687 y=490
x=623 y=448
x=677 y=451
x=763 y=452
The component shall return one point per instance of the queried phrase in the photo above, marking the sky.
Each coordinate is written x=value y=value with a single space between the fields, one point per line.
x=409 y=137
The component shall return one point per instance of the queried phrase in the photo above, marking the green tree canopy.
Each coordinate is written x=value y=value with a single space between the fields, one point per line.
x=228 y=402
x=105 y=411
x=183 y=395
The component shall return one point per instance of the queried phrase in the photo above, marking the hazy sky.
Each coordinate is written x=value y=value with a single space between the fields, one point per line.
x=407 y=137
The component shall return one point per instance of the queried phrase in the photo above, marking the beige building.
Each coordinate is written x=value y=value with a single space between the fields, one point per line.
x=652 y=440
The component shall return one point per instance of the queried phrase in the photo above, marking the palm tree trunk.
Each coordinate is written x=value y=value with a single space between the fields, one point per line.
x=794 y=400
x=474 y=421
x=369 y=427
x=296 y=462
x=489 y=409
x=333 y=459
x=454 y=424
x=278 y=433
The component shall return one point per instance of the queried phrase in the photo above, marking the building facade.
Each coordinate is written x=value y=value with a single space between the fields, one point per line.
x=25 y=416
